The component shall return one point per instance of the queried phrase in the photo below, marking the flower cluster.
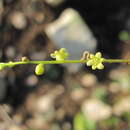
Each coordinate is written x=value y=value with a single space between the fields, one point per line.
x=60 y=55
x=95 y=61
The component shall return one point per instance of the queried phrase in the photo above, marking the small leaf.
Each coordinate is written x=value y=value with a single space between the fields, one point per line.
x=82 y=123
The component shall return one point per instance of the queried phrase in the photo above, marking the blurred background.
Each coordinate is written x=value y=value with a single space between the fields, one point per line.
x=66 y=97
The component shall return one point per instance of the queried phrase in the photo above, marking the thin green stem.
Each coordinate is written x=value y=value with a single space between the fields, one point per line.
x=46 y=62
x=116 y=60
x=63 y=62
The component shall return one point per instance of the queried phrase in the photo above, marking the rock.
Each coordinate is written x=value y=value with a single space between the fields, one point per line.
x=18 y=20
x=78 y=94
x=14 y=127
x=36 y=123
x=44 y=103
x=10 y=52
x=122 y=106
x=96 y=110
x=45 y=107
x=31 y=80
x=54 y=2
x=115 y=87
x=88 y=80
x=71 y=32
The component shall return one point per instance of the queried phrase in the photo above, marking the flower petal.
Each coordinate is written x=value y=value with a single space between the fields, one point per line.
x=90 y=62
x=91 y=56
x=94 y=67
x=98 y=55
x=100 y=66
x=53 y=55
x=62 y=50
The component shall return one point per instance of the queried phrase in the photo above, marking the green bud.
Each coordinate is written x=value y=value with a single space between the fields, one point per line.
x=2 y=66
x=39 y=70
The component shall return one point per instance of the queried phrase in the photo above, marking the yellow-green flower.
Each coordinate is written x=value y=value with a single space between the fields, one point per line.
x=95 y=61
x=60 y=55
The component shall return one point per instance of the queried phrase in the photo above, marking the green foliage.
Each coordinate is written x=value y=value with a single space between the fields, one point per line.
x=100 y=93
x=124 y=35
x=82 y=123
x=111 y=122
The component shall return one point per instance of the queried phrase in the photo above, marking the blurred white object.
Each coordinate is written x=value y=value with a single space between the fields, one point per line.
x=18 y=20
x=122 y=106
x=54 y=2
x=71 y=32
x=96 y=110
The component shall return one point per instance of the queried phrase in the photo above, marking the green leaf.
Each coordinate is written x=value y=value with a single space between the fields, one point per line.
x=82 y=123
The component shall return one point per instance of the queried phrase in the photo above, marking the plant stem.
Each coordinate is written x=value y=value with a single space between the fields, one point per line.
x=65 y=61
x=116 y=60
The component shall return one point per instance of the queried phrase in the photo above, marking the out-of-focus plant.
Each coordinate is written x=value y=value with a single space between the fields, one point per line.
x=82 y=123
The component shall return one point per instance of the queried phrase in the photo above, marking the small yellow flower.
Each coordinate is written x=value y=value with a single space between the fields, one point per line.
x=95 y=61
x=60 y=55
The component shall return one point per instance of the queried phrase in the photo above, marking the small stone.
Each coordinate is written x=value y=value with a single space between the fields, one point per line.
x=14 y=127
x=66 y=126
x=114 y=87
x=18 y=20
x=36 y=123
x=17 y=118
x=122 y=106
x=55 y=127
x=54 y=2
x=7 y=108
x=31 y=80
x=39 y=17
x=88 y=80
x=10 y=52
x=44 y=103
x=96 y=110
x=78 y=94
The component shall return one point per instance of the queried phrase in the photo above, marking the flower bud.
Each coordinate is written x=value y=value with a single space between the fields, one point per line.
x=60 y=55
x=39 y=70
